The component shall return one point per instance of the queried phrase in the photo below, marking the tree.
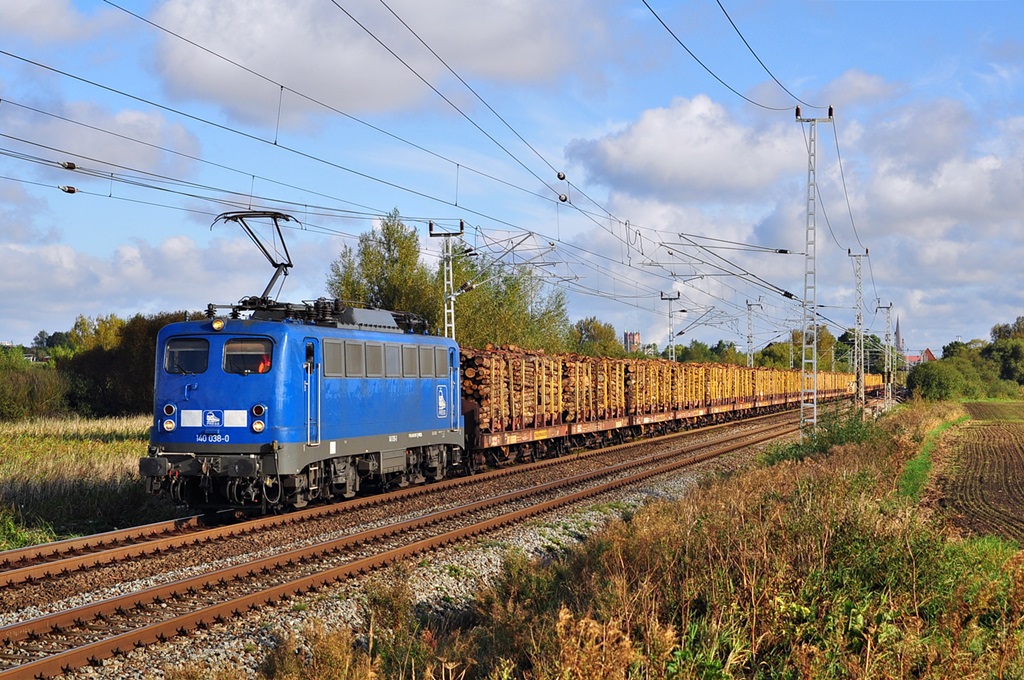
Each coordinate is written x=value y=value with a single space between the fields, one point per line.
x=696 y=351
x=1008 y=354
x=27 y=389
x=777 y=355
x=103 y=331
x=727 y=353
x=496 y=304
x=954 y=349
x=1007 y=331
x=385 y=272
x=595 y=338
x=506 y=306
x=118 y=380
x=936 y=380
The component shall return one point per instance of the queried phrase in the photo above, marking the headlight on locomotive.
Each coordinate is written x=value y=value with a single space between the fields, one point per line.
x=169 y=425
x=257 y=426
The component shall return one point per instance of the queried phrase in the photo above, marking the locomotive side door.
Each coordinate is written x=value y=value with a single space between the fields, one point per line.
x=455 y=389
x=311 y=387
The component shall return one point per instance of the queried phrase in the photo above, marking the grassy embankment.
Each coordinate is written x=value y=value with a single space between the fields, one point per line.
x=817 y=565
x=65 y=477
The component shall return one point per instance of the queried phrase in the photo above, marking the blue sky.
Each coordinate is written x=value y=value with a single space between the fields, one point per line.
x=338 y=112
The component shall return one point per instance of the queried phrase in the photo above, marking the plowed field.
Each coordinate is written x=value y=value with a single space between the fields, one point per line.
x=985 y=484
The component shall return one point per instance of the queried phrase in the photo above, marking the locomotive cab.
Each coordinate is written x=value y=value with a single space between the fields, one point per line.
x=214 y=408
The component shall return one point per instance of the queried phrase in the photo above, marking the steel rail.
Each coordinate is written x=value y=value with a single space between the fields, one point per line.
x=141 y=601
x=52 y=560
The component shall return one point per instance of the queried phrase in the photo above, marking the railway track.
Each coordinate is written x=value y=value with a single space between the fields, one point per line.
x=54 y=643
x=35 y=564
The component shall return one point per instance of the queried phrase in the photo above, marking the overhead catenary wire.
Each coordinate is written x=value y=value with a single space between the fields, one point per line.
x=313 y=100
x=759 y=61
x=706 y=68
x=508 y=223
x=442 y=95
x=250 y=71
x=469 y=87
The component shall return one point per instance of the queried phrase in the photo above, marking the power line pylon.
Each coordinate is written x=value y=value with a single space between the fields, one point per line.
x=887 y=405
x=809 y=326
x=750 y=332
x=449 y=284
x=858 y=341
x=671 y=335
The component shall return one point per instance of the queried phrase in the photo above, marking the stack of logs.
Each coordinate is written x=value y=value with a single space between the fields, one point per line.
x=595 y=388
x=514 y=388
x=510 y=388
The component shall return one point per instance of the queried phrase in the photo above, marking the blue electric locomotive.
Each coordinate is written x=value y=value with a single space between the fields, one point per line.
x=300 y=402
x=274 y=405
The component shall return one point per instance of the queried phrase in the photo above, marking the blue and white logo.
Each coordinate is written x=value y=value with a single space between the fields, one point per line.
x=442 y=401
x=213 y=418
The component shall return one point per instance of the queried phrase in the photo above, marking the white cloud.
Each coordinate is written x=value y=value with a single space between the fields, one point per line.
x=48 y=21
x=855 y=87
x=690 y=150
x=104 y=140
x=139 y=278
x=316 y=49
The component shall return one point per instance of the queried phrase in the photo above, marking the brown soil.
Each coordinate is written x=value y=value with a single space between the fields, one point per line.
x=984 y=485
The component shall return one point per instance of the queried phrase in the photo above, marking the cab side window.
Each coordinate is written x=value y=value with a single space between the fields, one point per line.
x=248 y=355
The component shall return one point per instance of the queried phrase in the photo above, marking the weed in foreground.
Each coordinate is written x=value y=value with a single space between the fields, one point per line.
x=803 y=569
x=318 y=654
x=14 y=534
x=816 y=568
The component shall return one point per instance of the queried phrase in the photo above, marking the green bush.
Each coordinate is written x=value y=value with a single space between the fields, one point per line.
x=28 y=390
x=937 y=381
x=835 y=427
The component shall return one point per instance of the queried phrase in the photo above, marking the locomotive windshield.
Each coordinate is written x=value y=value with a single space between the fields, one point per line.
x=186 y=355
x=248 y=355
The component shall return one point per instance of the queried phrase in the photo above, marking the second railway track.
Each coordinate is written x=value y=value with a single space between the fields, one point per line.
x=58 y=641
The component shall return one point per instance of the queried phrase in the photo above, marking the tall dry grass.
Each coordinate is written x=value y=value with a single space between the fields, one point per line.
x=815 y=568
x=75 y=475
x=804 y=569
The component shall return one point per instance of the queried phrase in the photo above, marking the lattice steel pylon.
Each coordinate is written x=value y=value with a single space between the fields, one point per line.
x=887 y=405
x=671 y=331
x=449 y=284
x=858 y=338
x=750 y=332
x=809 y=325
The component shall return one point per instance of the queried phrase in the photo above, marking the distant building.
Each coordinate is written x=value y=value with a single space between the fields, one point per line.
x=631 y=341
x=915 y=359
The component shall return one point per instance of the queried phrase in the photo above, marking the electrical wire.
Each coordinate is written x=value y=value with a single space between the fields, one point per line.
x=590 y=216
x=468 y=86
x=759 y=61
x=603 y=271
x=705 y=67
x=842 y=174
x=442 y=95
x=326 y=106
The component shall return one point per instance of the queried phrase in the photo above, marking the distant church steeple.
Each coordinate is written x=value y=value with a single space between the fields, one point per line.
x=899 y=337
